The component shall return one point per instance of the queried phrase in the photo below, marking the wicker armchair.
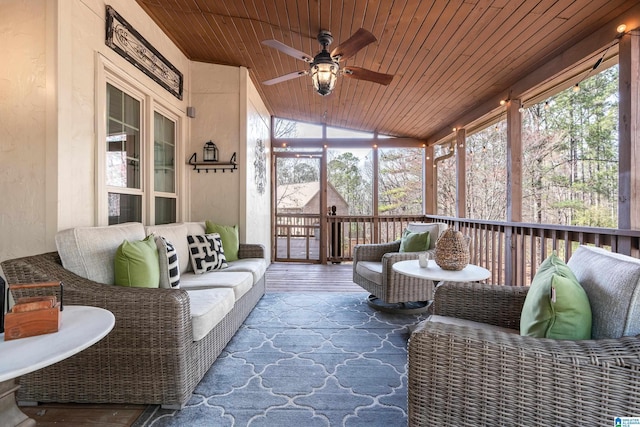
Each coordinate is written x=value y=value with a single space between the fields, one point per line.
x=473 y=375
x=372 y=268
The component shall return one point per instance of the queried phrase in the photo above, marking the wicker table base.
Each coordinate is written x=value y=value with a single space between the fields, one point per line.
x=411 y=307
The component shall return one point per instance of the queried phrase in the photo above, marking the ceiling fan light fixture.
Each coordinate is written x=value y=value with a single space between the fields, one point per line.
x=324 y=75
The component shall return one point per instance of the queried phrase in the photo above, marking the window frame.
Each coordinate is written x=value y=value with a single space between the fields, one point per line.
x=150 y=102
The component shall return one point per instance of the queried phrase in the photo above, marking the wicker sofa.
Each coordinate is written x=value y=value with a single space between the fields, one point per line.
x=373 y=268
x=152 y=355
x=470 y=366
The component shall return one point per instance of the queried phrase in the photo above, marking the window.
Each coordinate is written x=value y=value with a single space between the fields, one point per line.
x=164 y=169
x=400 y=181
x=123 y=167
x=486 y=191
x=140 y=174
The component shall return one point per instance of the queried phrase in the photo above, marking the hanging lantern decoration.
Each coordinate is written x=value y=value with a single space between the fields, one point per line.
x=210 y=152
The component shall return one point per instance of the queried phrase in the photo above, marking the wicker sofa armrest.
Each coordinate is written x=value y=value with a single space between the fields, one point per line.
x=251 y=250
x=492 y=304
x=467 y=376
x=156 y=317
x=374 y=251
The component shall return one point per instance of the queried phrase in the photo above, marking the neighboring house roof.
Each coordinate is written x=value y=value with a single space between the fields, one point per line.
x=297 y=196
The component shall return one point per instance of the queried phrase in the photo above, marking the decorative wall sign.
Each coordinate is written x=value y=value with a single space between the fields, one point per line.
x=260 y=165
x=125 y=40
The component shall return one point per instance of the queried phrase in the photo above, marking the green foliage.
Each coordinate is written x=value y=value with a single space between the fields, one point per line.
x=571 y=155
x=595 y=216
x=346 y=174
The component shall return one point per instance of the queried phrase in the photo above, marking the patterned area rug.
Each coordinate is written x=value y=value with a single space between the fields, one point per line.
x=321 y=359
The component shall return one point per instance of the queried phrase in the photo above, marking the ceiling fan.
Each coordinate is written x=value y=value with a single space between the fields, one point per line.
x=324 y=68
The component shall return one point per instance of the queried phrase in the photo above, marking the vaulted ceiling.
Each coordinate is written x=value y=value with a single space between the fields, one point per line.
x=448 y=58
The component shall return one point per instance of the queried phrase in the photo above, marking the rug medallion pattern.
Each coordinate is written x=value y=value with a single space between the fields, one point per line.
x=316 y=359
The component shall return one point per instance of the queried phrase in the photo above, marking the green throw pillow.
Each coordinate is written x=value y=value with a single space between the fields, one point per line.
x=229 y=236
x=415 y=242
x=137 y=265
x=556 y=306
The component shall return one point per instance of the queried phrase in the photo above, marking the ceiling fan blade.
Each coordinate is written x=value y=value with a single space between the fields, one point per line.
x=288 y=50
x=353 y=44
x=285 y=77
x=368 y=75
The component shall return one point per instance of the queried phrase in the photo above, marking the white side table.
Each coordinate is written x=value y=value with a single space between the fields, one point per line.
x=411 y=267
x=80 y=328
x=471 y=273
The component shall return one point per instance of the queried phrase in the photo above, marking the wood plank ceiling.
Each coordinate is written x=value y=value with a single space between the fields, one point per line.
x=448 y=57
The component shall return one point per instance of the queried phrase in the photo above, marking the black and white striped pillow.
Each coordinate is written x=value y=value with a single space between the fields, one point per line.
x=169 y=265
x=206 y=253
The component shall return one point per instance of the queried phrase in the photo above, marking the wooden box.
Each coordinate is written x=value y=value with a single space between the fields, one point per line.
x=31 y=316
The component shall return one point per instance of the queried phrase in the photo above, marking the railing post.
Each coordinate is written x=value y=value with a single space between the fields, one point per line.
x=336 y=237
x=508 y=255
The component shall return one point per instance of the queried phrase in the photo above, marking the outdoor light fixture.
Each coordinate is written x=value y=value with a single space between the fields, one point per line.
x=210 y=152
x=324 y=69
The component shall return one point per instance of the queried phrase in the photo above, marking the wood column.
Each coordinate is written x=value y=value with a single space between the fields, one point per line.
x=430 y=182
x=514 y=161
x=461 y=173
x=629 y=133
x=375 y=187
x=514 y=187
x=324 y=229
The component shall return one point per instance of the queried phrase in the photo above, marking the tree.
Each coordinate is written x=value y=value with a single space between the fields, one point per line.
x=400 y=181
x=345 y=174
x=571 y=154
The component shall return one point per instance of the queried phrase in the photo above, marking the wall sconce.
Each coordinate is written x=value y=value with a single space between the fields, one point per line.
x=210 y=152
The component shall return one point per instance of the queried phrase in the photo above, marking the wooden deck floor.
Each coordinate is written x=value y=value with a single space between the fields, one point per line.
x=280 y=277
x=298 y=277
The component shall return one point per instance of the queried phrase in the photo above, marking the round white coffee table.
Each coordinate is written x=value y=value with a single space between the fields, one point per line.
x=471 y=273
x=80 y=328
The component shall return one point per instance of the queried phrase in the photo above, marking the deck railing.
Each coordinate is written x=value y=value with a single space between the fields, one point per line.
x=344 y=232
x=297 y=237
x=512 y=251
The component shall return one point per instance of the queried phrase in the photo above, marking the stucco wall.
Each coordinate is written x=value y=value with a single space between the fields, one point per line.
x=231 y=114
x=257 y=203
x=23 y=101
x=215 y=94
x=49 y=125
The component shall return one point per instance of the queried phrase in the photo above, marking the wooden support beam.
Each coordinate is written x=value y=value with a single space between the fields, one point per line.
x=324 y=229
x=514 y=161
x=461 y=173
x=629 y=133
x=347 y=142
x=430 y=178
x=376 y=193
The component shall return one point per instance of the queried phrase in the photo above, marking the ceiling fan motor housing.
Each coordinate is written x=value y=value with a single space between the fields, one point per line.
x=325 y=38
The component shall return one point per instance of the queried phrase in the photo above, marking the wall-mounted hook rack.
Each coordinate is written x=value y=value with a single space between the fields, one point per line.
x=214 y=166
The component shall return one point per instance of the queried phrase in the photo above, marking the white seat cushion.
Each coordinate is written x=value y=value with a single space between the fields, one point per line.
x=208 y=308
x=89 y=252
x=469 y=324
x=255 y=266
x=239 y=281
x=370 y=270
